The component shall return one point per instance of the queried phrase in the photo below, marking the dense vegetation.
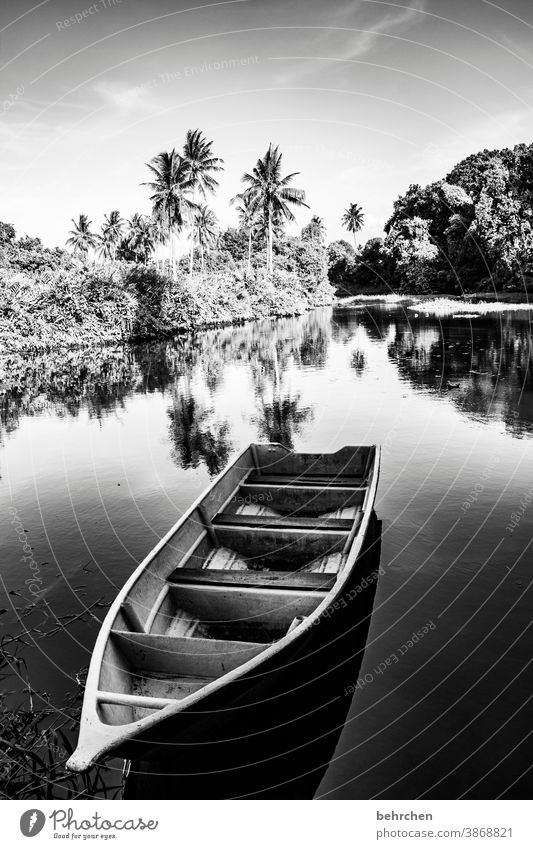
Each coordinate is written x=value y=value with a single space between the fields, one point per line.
x=471 y=231
x=126 y=281
x=48 y=299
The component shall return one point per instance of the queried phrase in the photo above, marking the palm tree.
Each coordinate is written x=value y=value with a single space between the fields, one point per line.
x=112 y=231
x=160 y=234
x=272 y=194
x=353 y=220
x=140 y=237
x=206 y=229
x=170 y=186
x=315 y=230
x=81 y=238
x=200 y=166
x=248 y=211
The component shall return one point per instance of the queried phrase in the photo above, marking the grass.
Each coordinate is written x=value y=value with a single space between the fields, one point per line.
x=36 y=739
x=448 y=306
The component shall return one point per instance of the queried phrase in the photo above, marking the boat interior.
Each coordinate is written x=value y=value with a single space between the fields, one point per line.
x=253 y=559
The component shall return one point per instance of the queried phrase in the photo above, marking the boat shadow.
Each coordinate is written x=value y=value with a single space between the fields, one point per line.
x=279 y=741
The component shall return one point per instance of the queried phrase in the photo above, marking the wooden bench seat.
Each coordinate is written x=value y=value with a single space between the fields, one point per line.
x=304 y=523
x=282 y=580
x=306 y=480
x=184 y=655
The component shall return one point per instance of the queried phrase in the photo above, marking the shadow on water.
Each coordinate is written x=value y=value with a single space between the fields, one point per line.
x=280 y=744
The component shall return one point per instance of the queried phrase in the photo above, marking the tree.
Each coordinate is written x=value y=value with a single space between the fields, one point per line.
x=200 y=165
x=112 y=232
x=7 y=233
x=160 y=235
x=170 y=201
x=248 y=211
x=81 y=238
x=341 y=263
x=353 y=220
x=206 y=230
x=315 y=230
x=410 y=245
x=272 y=194
x=140 y=238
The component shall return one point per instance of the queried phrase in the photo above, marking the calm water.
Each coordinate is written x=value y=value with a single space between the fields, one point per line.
x=101 y=451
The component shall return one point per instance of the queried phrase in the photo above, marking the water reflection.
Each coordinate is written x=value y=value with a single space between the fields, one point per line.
x=191 y=368
x=196 y=434
x=484 y=366
x=103 y=449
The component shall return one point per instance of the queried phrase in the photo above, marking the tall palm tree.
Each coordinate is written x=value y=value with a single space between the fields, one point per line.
x=315 y=229
x=248 y=211
x=353 y=220
x=273 y=194
x=81 y=238
x=160 y=235
x=140 y=237
x=200 y=164
x=170 y=187
x=206 y=229
x=112 y=232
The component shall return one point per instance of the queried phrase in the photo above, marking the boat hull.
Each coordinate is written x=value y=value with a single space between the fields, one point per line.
x=273 y=733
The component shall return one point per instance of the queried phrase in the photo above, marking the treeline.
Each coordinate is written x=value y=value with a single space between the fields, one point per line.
x=126 y=281
x=470 y=232
x=50 y=299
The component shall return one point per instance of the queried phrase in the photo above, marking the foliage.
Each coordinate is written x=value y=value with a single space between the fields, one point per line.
x=74 y=304
x=470 y=231
x=270 y=196
x=353 y=219
x=315 y=230
x=341 y=263
x=410 y=246
x=81 y=238
x=36 y=739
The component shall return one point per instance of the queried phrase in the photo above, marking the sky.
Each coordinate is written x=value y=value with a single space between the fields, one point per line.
x=363 y=98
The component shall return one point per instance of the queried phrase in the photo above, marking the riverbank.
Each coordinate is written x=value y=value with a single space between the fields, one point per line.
x=448 y=304
x=116 y=303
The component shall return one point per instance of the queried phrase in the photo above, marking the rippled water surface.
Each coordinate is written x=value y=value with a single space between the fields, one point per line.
x=101 y=451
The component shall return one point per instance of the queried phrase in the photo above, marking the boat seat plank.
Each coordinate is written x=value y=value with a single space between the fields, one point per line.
x=283 y=580
x=295 y=523
x=109 y=698
x=306 y=480
x=184 y=655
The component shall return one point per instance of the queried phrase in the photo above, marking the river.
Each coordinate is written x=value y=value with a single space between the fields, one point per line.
x=102 y=450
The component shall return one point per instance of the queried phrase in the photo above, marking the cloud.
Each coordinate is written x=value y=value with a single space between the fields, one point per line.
x=391 y=23
x=122 y=97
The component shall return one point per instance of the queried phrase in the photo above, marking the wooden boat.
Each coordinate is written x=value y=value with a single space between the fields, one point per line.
x=227 y=599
